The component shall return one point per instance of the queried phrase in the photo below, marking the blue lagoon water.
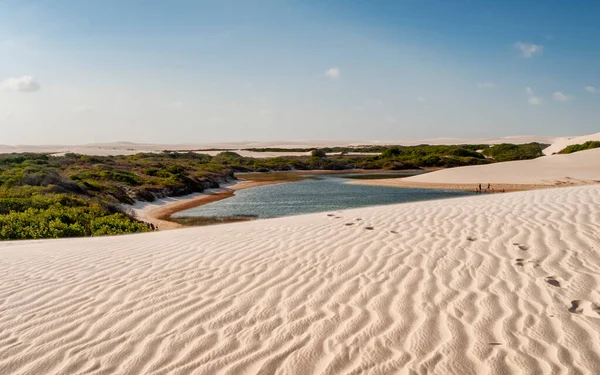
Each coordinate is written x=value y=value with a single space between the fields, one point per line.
x=323 y=193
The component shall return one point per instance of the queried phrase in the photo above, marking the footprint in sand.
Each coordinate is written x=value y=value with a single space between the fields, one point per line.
x=330 y=215
x=521 y=262
x=393 y=231
x=584 y=307
x=348 y=224
x=552 y=281
x=369 y=228
x=521 y=246
x=472 y=239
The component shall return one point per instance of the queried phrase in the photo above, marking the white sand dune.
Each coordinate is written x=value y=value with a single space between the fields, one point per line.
x=498 y=284
x=562 y=143
x=129 y=148
x=581 y=166
x=573 y=169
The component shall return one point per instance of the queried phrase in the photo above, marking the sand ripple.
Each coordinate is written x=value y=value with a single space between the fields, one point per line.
x=498 y=284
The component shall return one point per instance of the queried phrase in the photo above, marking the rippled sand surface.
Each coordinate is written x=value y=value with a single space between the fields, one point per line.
x=491 y=284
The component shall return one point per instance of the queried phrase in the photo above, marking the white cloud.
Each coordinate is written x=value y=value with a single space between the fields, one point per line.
x=560 y=97
x=529 y=49
x=390 y=119
x=590 y=89
x=82 y=108
x=529 y=90
x=20 y=84
x=486 y=85
x=420 y=98
x=535 y=100
x=333 y=73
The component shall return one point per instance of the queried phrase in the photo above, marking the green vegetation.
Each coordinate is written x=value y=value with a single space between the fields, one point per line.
x=508 y=152
x=580 y=147
x=44 y=196
x=77 y=195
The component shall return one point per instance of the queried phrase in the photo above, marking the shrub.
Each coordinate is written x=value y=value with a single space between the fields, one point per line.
x=318 y=153
x=580 y=147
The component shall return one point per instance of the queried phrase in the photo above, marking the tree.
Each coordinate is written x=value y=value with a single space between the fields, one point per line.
x=318 y=153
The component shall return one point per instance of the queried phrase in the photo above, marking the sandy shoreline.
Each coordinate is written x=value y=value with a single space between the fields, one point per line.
x=159 y=212
x=401 y=182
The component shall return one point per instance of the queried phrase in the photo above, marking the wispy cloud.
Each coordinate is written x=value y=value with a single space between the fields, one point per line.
x=486 y=85
x=533 y=99
x=20 y=84
x=529 y=49
x=560 y=97
x=390 y=119
x=590 y=89
x=333 y=73
x=420 y=98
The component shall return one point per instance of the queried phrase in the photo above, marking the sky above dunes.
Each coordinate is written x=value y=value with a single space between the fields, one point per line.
x=210 y=71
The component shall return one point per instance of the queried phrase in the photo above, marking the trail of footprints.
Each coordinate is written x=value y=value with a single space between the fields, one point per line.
x=577 y=306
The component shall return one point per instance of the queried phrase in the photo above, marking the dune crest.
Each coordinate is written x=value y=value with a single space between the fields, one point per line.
x=493 y=284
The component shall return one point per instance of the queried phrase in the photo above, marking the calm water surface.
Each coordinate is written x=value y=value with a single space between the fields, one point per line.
x=323 y=193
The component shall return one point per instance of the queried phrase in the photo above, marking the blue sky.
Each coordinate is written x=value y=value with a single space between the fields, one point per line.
x=208 y=71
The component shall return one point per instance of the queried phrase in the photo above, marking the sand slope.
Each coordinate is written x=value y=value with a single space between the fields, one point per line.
x=498 y=284
x=573 y=169
x=562 y=143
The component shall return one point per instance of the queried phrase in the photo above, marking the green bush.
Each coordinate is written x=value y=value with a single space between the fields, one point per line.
x=580 y=147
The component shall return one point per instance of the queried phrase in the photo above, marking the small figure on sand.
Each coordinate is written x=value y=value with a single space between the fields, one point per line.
x=489 y=189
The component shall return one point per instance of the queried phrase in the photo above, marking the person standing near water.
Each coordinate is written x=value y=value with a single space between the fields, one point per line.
x=480 y=188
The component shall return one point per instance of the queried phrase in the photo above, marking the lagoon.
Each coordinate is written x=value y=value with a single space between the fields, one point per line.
x=318 y=194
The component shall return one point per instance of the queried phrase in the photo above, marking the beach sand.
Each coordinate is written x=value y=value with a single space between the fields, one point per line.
x=491 y=284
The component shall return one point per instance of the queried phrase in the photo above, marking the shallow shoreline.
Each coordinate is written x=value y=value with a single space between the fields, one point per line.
x=401 y=183
x=161 y=215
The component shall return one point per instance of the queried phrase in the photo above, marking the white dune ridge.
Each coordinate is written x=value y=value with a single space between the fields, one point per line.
x=562 y=143
x=498 y=284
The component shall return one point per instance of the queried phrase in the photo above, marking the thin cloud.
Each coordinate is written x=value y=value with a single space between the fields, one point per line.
x=420 y=98
x=529 y=50
x=590 y=89
x=486 y=85
x=20 y=84
x=390 y=119
x=333 y=73
x=533 y=99
x=560 y=97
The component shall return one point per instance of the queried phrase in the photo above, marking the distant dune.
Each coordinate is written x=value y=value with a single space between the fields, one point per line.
x=562 y=143
x=128 y=148
x=498 y=284
x=553 y=170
